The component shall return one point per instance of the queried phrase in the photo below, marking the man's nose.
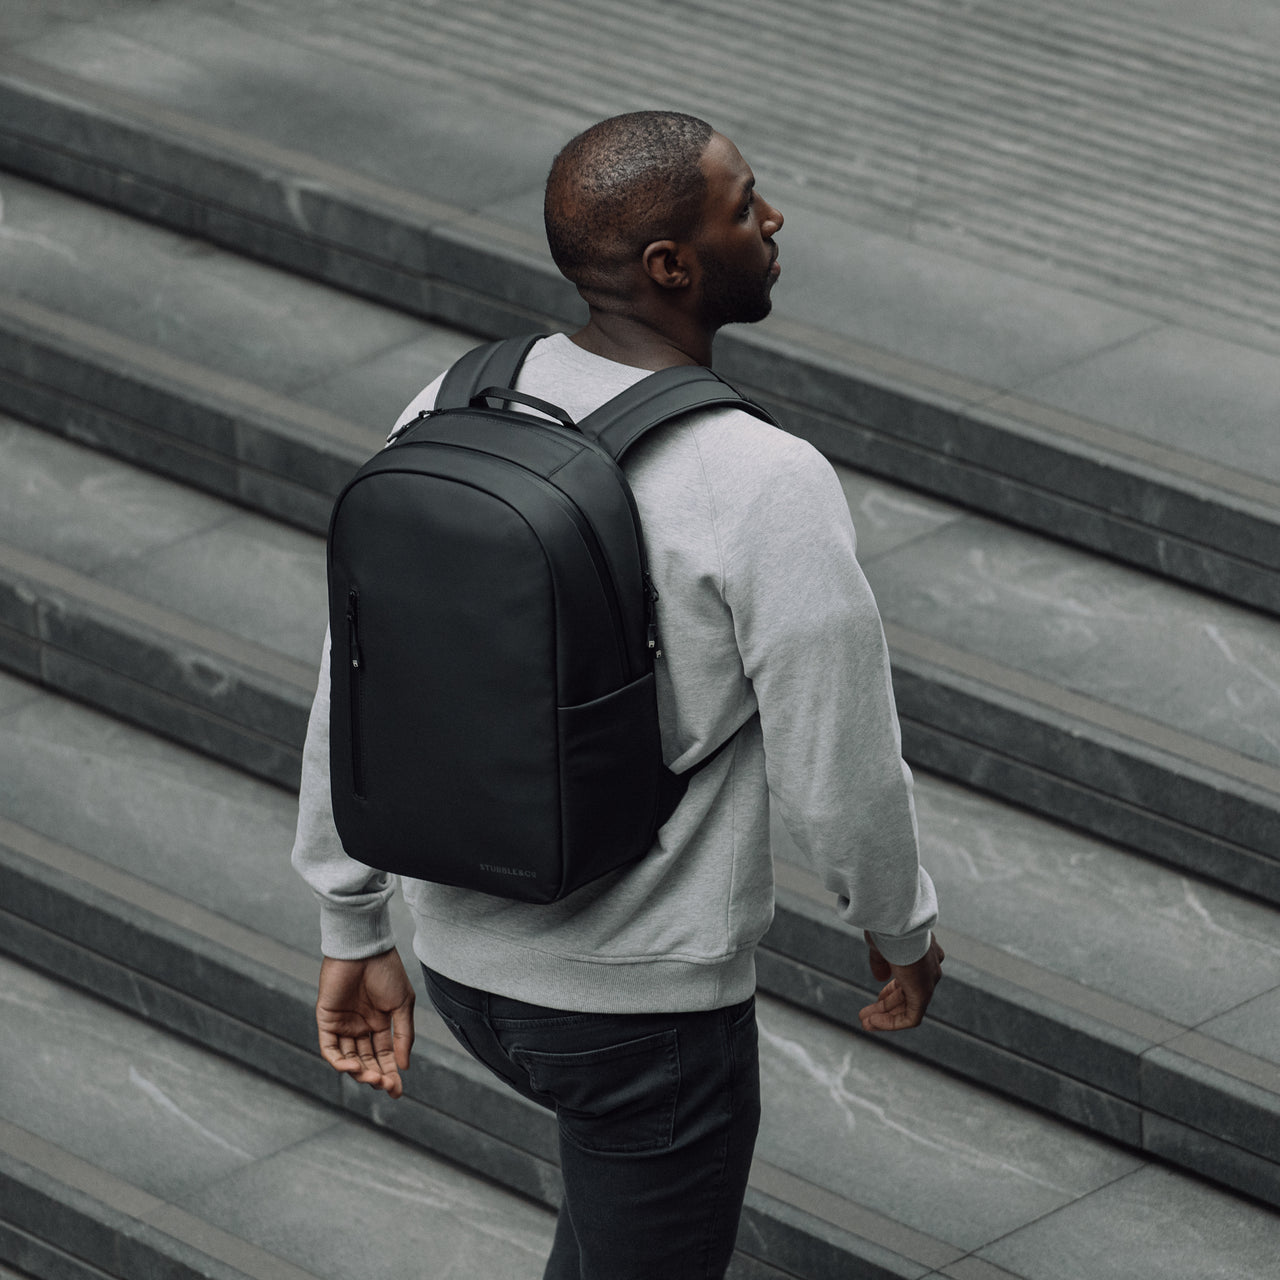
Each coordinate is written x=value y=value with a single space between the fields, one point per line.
x=771 y=223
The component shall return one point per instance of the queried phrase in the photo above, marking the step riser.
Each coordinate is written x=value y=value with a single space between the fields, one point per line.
x=944 y=746
x=781 y=1237
x=200 y=702
x=166 y=430
x=40 y=1213
x=418 y=262
x=1212 y=826
x=956 y=457
x=408 y=259
x=225 y=446
x=214 y=443
x=1104 y=1077
x=41 y=1258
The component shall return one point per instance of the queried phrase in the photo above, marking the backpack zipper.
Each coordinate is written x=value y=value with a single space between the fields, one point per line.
x=651 y=598
x=353 y=689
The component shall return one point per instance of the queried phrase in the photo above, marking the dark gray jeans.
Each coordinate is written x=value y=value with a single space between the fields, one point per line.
x=658 y=1116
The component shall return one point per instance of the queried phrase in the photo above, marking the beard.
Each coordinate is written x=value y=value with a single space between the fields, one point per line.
x=733 y=296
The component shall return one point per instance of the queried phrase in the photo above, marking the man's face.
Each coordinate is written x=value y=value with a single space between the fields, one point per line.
x=735 y=245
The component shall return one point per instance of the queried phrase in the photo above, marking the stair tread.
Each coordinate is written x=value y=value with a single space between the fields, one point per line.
x=1163 y=389
x=252 y=1158
x=1170 y=655
x=249 y=575
x=210 y=1141
x=234 y=316
x=1004 y=323
x=1055 y=904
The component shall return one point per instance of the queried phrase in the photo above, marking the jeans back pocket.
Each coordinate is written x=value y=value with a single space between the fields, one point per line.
x=618 y=1098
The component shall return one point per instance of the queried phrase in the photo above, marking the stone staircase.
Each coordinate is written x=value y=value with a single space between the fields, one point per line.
x=1097 y=1091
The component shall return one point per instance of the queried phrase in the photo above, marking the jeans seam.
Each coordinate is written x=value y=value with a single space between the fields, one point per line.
x=717 y=1208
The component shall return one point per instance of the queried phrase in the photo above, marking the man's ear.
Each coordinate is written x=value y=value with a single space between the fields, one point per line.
x=666 y=263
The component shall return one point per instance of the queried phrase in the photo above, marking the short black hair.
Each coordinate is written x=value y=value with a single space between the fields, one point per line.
x=620 y=185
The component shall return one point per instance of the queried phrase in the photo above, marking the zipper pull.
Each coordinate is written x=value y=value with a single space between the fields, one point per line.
x=413 y=422
x=651 y=598
x=353 y=638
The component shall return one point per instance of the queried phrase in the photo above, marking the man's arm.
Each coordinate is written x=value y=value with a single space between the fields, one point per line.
x=813 y=645
x=364 y=1011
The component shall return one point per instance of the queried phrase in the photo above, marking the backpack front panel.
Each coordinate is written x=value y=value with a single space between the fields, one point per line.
x=446 y=725
x=479 y=611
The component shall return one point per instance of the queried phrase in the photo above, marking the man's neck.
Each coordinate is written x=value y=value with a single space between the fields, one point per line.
x=632 y=341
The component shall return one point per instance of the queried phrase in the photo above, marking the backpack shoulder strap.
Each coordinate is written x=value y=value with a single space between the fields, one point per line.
x=666 y=394
x=493 y=365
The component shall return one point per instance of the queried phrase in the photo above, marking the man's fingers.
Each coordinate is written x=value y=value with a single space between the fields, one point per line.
x=402 y=1030
x=338 y=1060
x=875 y=1021
x=365 y=1065
x=894 y=1011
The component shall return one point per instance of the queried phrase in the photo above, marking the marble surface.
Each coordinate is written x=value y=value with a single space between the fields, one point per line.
x=887 y=516
x=15 y=693
x=1152 y=1225
x=184 y=296
x=23 y=20
x=1253 y=1026
x=162 y=542
x=901 y=1138
x=948 y=311
x=158 y=811
x=249 y=576
x=1110 y=920
x=248 y=1155
x=1187 y=660
x=84 y=510
x=392 y=1211
x=143 y=1104
x=245 y=72
x=373 y=393
x=1191 y=391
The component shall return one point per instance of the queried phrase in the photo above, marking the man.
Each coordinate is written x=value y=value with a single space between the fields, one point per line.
x=628 y=1006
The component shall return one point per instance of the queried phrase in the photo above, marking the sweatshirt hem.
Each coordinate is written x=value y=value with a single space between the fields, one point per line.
x=661 y=984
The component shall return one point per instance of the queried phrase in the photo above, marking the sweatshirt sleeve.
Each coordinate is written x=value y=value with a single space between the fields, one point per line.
x=354 y=919
x=813 y=646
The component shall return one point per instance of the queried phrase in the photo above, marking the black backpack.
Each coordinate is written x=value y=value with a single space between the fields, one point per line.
x=494 y=723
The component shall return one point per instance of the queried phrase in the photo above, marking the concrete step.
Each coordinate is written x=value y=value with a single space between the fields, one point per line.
x=1125 y=705
x=1104 y=995
x=1065 y=987
x=173 y=610
x=1145 y=436
x=129 y=1151
x=916 y=1173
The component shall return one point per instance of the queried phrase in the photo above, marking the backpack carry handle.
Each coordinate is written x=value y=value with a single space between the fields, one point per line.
x=506 y=393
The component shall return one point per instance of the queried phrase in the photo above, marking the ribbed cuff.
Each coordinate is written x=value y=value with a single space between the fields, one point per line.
x=347 y=934
x=907 y=948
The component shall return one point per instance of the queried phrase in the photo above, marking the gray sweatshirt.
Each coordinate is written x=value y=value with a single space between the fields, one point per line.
x=768 y=629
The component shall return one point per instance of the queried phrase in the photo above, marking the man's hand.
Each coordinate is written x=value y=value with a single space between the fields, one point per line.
x=906 y=996
x=364 y=1014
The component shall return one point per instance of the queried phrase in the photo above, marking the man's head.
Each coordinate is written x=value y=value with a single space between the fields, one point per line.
x=659 y=199
x=620 y=185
